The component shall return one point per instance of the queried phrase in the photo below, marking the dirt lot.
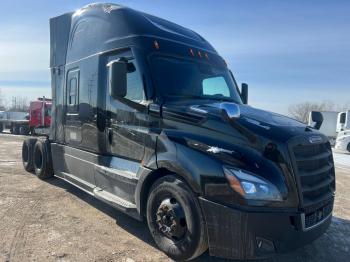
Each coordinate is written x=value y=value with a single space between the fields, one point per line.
x=53 y=221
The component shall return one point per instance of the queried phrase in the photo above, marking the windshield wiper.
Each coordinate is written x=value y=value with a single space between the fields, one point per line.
x=187 y=96
x=226 y=99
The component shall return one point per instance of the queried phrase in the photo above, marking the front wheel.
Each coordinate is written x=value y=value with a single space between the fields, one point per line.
x=175 y=219
x=348 y=148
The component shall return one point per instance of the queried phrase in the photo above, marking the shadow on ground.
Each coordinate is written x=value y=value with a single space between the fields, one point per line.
x=334 y=245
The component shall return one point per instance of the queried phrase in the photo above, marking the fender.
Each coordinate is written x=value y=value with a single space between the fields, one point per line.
x=175 y=157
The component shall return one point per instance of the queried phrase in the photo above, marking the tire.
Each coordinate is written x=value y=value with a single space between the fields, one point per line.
x=23 y=130
x=27 y=154
x=1 y=128
x=348 y=147
x=42 y=160
x=188 y=239
x=15 y=130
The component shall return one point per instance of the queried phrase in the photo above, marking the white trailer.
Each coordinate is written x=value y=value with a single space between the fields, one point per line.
x=17 y=122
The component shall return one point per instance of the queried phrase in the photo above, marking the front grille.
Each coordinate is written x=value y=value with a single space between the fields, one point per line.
x=314 y=170
x=318 y=215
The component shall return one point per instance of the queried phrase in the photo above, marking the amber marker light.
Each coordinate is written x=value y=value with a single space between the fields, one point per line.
x=234 y=184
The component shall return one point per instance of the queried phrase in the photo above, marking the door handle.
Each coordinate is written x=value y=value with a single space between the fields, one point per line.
x=110 y=135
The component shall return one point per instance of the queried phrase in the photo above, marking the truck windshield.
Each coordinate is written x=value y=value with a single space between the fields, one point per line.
x=188 y=79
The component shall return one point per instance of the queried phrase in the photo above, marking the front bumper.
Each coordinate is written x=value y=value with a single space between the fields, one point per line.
x=237 y=234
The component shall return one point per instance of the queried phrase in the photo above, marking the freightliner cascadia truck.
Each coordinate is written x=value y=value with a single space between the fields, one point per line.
x=147 y=117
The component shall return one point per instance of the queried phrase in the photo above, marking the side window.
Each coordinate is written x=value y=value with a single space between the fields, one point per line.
x=342 y=118
x=215 y=86
x=134 y=88
x=134 y=84
x=73 y=91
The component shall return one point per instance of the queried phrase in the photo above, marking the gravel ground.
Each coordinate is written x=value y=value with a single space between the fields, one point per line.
x=53 y=221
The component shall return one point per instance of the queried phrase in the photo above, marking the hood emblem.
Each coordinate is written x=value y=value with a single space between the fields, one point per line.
x=315 y=139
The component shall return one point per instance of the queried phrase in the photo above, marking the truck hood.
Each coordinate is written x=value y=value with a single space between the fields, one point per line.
x=253 y=122
x=258 y=141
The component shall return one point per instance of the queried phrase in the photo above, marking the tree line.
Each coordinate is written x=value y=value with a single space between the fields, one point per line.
x=301 y=111
x=17 y=103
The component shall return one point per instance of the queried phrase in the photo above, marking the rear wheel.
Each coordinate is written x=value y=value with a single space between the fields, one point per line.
x=42 y=160
x=1 y=128
x=23 y=130
x=27 y=154
x=175 y=219
x=348 y=148
x=15 y=130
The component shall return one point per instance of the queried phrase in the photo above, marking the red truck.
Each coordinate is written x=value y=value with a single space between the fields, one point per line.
x=36 y=122
x=40 y=115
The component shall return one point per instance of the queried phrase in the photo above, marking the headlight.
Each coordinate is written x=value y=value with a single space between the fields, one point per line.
x=251 y=186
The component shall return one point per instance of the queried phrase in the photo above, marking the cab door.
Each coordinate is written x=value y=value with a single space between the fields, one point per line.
x=124 y=115
x=125 y=139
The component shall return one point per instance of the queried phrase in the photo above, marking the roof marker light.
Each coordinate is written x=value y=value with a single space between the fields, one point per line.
x=156 y=45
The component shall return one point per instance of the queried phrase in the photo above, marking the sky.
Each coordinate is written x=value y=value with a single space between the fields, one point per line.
x=287 y=51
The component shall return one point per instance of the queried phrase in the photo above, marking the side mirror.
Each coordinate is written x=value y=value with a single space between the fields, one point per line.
x=117 y=78
x=317 y=117
x=244 y=93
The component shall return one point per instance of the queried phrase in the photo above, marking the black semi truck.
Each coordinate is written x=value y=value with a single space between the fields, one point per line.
x=147 y=117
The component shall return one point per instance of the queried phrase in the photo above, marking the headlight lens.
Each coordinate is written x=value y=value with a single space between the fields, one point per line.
x=251 y=186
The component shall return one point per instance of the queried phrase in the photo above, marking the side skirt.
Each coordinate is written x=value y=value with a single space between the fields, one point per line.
x=102 y=195
x=108 y=178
